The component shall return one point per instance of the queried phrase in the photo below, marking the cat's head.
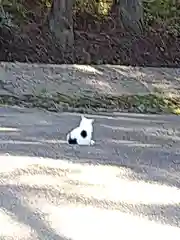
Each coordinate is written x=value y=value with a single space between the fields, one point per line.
x=86 y=121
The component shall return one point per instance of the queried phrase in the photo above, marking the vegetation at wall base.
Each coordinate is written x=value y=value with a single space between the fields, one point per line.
x=151 y=103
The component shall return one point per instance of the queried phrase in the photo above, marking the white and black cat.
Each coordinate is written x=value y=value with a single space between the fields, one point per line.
x=82 y=135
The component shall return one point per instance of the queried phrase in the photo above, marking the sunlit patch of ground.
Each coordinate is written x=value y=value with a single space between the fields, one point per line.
x=76 y=201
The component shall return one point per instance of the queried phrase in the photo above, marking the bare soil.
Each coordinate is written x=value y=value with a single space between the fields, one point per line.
x=95 y=43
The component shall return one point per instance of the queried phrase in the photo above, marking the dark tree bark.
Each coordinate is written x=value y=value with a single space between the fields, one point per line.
x=61 y=22
x=131 y=15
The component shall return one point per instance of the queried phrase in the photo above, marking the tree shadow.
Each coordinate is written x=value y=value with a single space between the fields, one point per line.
x=144 y=80
x=162 y=212
x=118 y=80
x=12 y=205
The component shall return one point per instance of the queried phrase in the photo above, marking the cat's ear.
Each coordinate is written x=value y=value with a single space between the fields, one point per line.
x=91 y=121
x=86 y=120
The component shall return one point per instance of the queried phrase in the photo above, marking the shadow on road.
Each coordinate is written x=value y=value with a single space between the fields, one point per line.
x=12 y=205
x=37 y=196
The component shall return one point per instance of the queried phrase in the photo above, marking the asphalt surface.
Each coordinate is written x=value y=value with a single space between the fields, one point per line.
x=126 y=186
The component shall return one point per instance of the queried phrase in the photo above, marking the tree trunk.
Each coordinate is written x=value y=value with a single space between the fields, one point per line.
x=131 y=15
x=61 y=22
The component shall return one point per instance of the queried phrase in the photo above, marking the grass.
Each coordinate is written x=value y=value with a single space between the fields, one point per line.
x=151 y=103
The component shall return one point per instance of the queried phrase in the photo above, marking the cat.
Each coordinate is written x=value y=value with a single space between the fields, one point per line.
x=82 y=135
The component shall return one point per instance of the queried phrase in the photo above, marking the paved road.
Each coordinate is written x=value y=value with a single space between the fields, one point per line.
x=127 y=186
